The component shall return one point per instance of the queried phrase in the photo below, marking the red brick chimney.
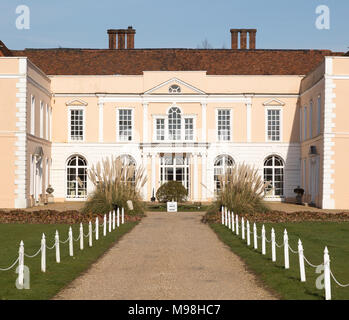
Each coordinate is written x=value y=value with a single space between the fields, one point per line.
x=234 y=38
x=243 y=38
x=112 y=38
x=130 y=32
x=130 y=37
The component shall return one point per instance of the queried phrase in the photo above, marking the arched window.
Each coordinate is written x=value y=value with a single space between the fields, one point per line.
x=274 y=172
x=130 y=162
x=76 y=177
x=174 y=124
x=222 y=165
x=174 y=89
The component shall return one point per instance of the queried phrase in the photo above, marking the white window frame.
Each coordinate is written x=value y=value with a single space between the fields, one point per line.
x=132 y=124
x=41 y=133
x=50 y=119
x=155 y=136
x=281 y=124
x=70 y=108
x=318 y=129
x=165 y=117
x=231 y=124
x=32 y=115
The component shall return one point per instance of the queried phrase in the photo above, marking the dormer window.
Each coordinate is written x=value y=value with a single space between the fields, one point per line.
x=174 y=89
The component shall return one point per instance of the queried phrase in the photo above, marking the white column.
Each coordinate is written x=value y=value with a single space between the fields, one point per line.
x=195 y=176
x=145 y=187
x=203 y=176
x=145 y=122
x=100 y=122
x=153 y=173
x=204 y=122
x=248 y=120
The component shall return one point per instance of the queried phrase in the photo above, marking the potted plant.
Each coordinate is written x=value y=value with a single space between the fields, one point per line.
x=299 y=194
x=50 y=198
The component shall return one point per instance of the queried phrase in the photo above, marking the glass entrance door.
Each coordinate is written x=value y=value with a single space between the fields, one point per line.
x=175 y=167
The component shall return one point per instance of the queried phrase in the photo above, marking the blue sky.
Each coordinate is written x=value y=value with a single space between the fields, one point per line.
x=281 y=24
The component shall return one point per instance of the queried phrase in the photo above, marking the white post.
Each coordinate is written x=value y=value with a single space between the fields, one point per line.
x=327 y=275
x=263 y=239
x=21 y=264
x=81 y=237
x=248 y=233
x=118 y=217
x=237 y=224
x=109 y=222
x=273 y=246
x=222 y=215
x=43 y=253
x=113 y=219
x=255 y=243
x=104 y=225
x=122 y=215
x=70 y=235
x=90 y=234
x=243 y=228
x=232 y=222
x=225 y=217
x=301 y=260
x=229 y=223
x=58 y=253
x=97 y=228
x=286 y=254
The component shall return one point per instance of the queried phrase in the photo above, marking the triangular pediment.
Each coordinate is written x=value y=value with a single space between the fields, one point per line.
x=274 y=103
x=76 y=102
x=164 y=88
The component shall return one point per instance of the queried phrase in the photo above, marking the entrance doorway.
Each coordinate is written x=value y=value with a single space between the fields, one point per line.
x=175 y=167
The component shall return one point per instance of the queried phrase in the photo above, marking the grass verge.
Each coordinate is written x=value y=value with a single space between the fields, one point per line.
x=286 y=283
x=57 y=275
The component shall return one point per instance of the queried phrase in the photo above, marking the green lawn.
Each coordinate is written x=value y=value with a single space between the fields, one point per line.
x=57 y=275
x=315 y=236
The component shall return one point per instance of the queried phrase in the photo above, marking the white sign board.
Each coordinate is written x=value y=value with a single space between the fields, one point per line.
x=171 y=206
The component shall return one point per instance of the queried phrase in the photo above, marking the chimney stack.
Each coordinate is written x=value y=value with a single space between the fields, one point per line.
x=130 y=32
x=243 y=38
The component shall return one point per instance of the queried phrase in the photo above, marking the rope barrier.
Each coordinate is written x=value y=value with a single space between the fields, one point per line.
x=50 y=248
x=279 y=246
x=312 y=265
x=34 y=255
x=77 y=239
x=65 y=241
x=293 y=251
x=10 y=267
x=336 y=281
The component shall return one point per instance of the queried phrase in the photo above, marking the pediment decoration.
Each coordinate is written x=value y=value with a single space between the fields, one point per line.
x=165 y=88
x=76 y=102
x=274 y=103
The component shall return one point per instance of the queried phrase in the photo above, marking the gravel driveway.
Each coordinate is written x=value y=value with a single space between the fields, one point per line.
x=167 y=256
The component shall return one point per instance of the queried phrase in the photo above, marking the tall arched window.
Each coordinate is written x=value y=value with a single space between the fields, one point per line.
x=222 y=165
x=129 y=161
x=76 y=177
x=174 y=124
x=274 y=172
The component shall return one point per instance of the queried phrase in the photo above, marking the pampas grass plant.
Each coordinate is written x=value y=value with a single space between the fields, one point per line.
x=115 y=183
x=242 y=190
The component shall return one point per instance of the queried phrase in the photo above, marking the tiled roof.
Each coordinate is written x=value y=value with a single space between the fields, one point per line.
x=135 y=61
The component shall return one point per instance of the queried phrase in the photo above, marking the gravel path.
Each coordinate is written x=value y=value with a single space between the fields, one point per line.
x=167 y=256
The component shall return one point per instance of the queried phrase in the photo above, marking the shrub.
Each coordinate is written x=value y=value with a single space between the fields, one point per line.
x=115 y=183
x=242 y=190
x=172 y=190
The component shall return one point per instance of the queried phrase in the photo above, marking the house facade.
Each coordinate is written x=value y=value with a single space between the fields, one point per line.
x=182 y=114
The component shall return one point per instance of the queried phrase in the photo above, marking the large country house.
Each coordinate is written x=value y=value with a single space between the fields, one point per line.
x=183 y=114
